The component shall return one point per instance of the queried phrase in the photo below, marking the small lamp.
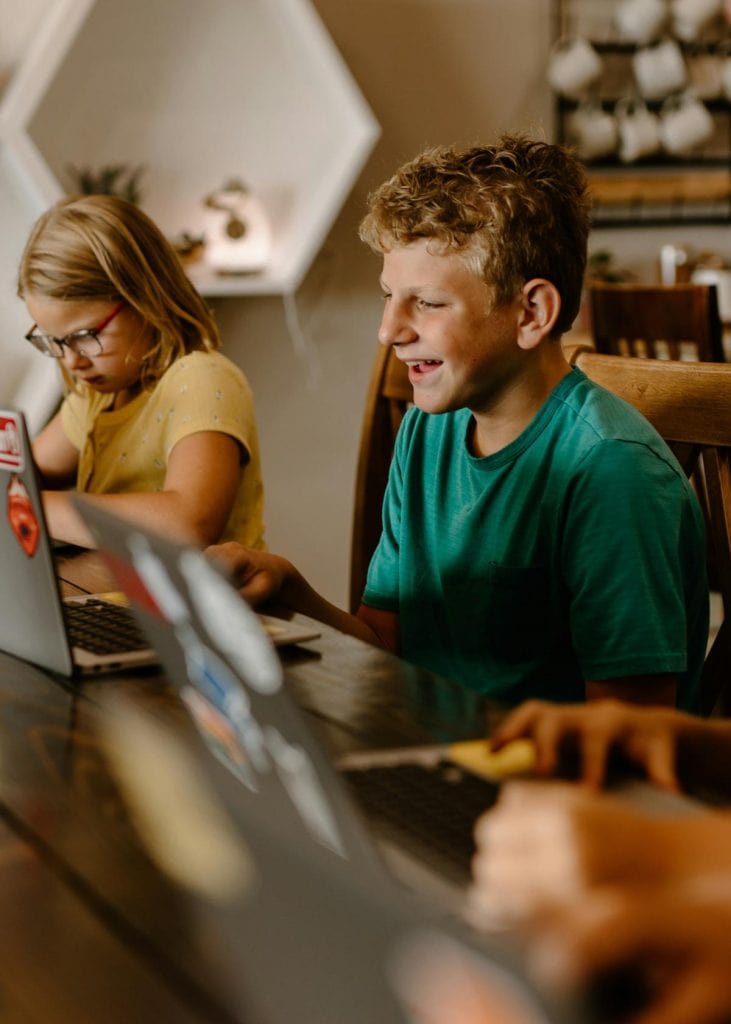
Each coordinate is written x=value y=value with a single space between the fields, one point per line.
x=237 y=230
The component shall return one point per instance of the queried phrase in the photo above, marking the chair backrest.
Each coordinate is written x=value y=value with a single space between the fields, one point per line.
x=657 y=321
x=689 y=404
x=388 y=398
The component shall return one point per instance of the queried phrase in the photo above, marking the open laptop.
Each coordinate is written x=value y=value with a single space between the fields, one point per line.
x=83 y=635
x=316 y=929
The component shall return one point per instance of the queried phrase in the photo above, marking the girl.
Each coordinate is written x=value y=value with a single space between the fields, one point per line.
x=155 y=421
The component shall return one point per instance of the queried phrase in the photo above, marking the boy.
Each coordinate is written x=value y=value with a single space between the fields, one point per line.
x=539 y=539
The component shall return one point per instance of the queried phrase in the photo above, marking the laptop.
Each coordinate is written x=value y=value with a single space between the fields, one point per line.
x=70 y=636
x=315 y=928
x=80 y=635
x=229 y=676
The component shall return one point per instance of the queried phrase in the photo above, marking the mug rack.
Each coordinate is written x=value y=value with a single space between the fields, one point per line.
x=662 y=189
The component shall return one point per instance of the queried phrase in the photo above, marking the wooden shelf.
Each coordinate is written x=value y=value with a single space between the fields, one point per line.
x=195 y=93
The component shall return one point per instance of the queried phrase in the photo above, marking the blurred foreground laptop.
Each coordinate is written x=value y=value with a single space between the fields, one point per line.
x=83 y=635
x=308 y=923
x=226 y=671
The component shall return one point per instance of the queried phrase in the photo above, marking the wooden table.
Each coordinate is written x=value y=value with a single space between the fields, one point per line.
x=92 y=930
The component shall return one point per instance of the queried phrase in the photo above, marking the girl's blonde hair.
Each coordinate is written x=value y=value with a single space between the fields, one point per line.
x=103 y=247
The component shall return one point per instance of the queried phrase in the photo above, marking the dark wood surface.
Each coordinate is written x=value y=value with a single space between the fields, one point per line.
x=91 y=927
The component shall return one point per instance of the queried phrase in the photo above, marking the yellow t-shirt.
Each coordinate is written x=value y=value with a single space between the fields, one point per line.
x=127 y=450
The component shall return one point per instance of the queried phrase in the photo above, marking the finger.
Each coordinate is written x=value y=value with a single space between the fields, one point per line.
x=257 y=589
x=660 y=761
x=518 y=723
x=595 y=746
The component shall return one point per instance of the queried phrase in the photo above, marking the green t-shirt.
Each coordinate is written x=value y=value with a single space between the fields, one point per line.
x=576 y=552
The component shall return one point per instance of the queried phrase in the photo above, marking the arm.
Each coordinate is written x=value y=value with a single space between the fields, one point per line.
x=56 y=458
x=670 y=746
x=194 y=504
x=261 y=576
x=648 y=689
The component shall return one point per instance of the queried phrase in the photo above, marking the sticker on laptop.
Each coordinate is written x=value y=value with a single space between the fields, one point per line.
x=22 y=516
x=11 y=449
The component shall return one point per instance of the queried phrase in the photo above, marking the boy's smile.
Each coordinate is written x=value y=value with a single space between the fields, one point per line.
x=440 y=318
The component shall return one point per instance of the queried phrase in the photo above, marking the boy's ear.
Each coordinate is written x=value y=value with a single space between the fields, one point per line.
x=540 y=305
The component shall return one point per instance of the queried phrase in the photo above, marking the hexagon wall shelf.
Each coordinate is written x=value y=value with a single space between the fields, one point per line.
x=196 y=93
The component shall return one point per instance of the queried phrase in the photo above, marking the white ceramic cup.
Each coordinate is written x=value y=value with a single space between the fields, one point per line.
x=685 y=123
x=638 y=128
x=593 y=130
x=659 y=69
x=690 y=17
x=640 y=20
x=573 y=66
x=721 y=277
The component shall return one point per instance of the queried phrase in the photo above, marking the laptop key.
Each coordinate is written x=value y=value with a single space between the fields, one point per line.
x=433 y=806
x=103 y=628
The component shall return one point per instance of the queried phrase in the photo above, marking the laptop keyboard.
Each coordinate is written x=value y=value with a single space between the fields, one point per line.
x=432 y=808
x=103 y=628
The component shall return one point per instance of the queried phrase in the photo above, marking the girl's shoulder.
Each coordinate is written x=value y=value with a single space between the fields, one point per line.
x=200 y=365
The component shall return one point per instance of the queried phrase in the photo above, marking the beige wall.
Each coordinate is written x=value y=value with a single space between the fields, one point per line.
x=434 y=71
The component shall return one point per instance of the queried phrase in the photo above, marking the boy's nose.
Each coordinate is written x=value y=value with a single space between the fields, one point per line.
x=395 y=328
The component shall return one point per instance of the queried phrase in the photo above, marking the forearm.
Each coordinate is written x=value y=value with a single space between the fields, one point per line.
x=163 y=512
x=298 y=595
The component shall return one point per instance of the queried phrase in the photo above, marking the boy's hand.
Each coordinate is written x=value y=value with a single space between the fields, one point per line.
x=260 y=576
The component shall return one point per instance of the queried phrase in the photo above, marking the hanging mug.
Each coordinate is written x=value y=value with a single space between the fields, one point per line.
x=573 y=66
x=685 y=123
x=638 y=127
x=690 y=17
x=659 y=69
x=640 y=21
x=593 y=130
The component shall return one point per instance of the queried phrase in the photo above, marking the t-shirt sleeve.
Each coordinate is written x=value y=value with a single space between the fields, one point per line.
x=382 y=584
x=632 y=528
x=73 y=419
x=205 y=392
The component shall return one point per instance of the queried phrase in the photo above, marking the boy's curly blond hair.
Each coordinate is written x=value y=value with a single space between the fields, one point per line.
x=515 y=211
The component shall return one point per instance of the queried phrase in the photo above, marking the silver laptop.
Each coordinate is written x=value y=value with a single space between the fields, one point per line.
x=73 y=635
x=316 y=928
x=79 y=635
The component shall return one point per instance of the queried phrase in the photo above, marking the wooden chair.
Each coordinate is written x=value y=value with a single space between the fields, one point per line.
x=388 y=398
x=663 y=321
x=689 y=404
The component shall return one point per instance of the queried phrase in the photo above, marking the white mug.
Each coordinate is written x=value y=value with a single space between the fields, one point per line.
x=592 y=130
x=659 y=69
x=690 y=17
x=685 y=123
x=640 y=20
x=638 y=127
x=573 y=66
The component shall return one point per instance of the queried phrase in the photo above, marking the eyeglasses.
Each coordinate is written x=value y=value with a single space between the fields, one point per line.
x=82 y=343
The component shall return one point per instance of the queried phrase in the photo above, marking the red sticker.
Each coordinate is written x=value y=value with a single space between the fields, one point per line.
x=11 y=450
x=22 y=516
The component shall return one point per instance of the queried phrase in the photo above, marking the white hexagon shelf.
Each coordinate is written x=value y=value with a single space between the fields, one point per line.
x=196 y=93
